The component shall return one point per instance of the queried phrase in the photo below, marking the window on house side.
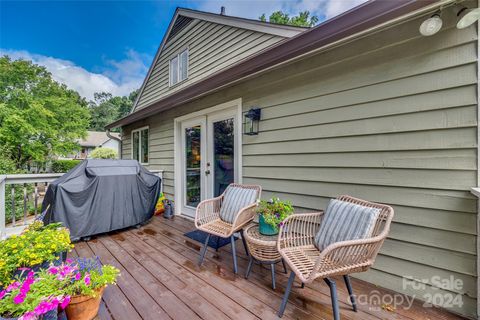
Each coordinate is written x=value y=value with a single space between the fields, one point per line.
x=140 y=145
x=179 y=67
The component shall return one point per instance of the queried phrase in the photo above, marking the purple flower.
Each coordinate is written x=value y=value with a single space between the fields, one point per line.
x=19 y=298
x=87 y=279
x=2 y=294
x=78 y=276
x=65 y=302
x=43 y=307
x=30 y=315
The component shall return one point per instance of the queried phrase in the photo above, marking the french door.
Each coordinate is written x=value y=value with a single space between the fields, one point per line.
x=209 y=152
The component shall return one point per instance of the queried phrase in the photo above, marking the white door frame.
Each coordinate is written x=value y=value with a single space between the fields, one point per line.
x=177 y=141
x=202 y=122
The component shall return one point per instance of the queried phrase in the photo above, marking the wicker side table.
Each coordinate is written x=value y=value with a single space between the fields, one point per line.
x=262 y=250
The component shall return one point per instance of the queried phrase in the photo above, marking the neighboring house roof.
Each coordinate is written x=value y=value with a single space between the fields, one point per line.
x=183 y=17
x=96 y=138
x=346 y=26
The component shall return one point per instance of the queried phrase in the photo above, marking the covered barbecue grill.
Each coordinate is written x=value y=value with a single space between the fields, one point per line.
x=98 y=196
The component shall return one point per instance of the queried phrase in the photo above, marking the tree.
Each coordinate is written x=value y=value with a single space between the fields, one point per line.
x=106 y=108
x=104 y=153
x=39 y=117
x=303 y=19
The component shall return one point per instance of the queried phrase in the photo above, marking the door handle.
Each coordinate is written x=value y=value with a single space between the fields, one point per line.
x=207 y=172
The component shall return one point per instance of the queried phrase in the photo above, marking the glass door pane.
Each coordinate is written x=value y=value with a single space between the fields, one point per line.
x=223 y=155
x=193 y=167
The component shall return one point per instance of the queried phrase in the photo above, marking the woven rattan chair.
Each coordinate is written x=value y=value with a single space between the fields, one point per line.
x=296 y=246
x=207 y=219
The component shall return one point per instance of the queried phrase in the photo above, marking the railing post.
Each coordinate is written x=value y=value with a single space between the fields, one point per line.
x=3 y=199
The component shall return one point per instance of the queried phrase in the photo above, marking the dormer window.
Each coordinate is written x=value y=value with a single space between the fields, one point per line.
x=179 y=67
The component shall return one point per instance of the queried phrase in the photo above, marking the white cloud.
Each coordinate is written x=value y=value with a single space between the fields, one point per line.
x=119 y=78
x=253 y=9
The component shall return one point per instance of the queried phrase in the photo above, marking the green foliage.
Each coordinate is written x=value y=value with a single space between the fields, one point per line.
x=106 y=109
x=303 y=19
x=275 y=211
x=62 y=166
x=39 y=117
x=104 y=153
x=35 y=245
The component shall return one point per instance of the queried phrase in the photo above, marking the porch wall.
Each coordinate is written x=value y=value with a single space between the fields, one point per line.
x=388 y=122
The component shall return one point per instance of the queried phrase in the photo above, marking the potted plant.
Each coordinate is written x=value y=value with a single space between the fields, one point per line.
x=35 y=248
x=85 y=280
x=271 y=215
x=37 y=296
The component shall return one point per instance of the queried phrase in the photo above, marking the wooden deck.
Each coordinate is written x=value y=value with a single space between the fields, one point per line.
x=160 y=279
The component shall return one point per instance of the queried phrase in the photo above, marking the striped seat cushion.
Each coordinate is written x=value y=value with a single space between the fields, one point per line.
x=234 y=200
x=345 y=221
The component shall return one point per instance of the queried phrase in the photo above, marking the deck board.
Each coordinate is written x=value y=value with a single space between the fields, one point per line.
x=160 y=279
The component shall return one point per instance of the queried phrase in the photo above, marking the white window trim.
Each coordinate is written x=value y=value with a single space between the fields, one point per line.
x=177 y=55
x=139 y=130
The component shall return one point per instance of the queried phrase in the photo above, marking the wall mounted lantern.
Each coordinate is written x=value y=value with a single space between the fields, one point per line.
x=251 y=122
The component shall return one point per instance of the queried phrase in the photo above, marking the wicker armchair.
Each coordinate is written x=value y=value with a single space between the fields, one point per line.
x=207 y=219
x=296 y=246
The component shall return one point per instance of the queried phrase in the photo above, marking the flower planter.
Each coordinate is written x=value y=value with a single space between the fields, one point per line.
x=84 y=307
x=51 y=315
x=265 y=228
x=62 y=257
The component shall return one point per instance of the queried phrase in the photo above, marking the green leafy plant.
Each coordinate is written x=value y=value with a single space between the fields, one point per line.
x=34 y=246
x=62 y=166
x=32 y=297
x=275 y=211
x=52 y=287
x=104 y=153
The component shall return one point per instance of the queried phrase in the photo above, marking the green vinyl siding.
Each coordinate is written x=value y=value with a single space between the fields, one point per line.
x=211 y=47
x=390 y=117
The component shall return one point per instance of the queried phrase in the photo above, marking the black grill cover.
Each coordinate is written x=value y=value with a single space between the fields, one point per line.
x=102 y=195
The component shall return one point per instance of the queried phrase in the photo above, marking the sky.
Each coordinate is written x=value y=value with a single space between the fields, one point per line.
x=108 y=46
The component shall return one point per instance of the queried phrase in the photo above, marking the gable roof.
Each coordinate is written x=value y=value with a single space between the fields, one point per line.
x=182 y=18
x=96 y=138
x=355 y=22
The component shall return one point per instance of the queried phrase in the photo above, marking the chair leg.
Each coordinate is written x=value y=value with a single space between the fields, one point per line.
x=287 y=293
x=234 y=254
x=272 y=268
x=204 y=250
x=284 y=267
x=303 y=285
x=350 y=292
x=249 y=268
x=218 y=241
x=244 y=243
x=333 y=294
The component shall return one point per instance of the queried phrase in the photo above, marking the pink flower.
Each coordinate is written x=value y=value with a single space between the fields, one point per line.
x=69 y=261
x=30 y=315
x=78 y=276
x=45 y=306
x=13 y=286
x=87 y=279
x=2 y=294
x=53 y=270
x=65 y=302
x=19 y=298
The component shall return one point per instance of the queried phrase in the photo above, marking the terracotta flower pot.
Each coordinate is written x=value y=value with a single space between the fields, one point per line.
x=84 y=307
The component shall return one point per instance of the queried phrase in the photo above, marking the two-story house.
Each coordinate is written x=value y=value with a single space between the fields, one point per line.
x=363 y=104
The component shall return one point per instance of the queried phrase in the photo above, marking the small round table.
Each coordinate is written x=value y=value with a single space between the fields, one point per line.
x=262 y=249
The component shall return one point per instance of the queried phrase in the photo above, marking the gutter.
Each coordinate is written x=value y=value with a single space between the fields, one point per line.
x=353 y=22
x=119 y=143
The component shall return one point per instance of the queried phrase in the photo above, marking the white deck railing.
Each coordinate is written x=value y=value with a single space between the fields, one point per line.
x=37 y=181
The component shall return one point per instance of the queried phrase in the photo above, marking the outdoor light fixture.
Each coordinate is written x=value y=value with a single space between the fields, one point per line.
x=432 y=25
x=467 y=17
x=251 y=122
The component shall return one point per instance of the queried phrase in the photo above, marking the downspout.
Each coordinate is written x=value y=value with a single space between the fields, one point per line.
x=119 y=143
